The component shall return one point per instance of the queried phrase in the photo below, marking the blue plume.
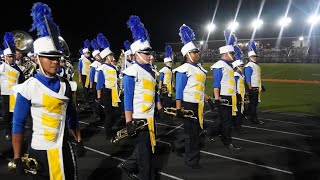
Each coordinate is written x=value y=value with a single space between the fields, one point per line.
x=80 y=51
x=230 y=37
x=86 y=44
x=8 y=40
x=1 y=51
x=94 y=44
x=186 y=34
x=127 y=44
x=40 y=12
x=103 y=41
x=238 y=52
x=168 y=51
x=137 y=29
x=252 y=46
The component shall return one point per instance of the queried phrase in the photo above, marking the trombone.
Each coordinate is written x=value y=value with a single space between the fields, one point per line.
x=31 y=165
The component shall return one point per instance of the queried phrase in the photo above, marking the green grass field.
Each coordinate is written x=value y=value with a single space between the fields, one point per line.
x=283 y=97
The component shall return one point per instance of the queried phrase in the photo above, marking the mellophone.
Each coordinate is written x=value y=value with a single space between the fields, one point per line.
x=31 y=165
x=123 y=133
x=186 y=113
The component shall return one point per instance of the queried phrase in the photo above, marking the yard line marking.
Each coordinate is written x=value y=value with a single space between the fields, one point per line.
x=267 y=144
x=256 y=142
x=283 y=132
x=289 y=122
x=290 y=114
x=264 y=129
x=90 y=124
x=239 y=160
x=276 y=72
x=248 y=162
x=122 y=160
x=205 y=152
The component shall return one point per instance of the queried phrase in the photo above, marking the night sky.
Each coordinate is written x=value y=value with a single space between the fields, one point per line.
x=162 y=18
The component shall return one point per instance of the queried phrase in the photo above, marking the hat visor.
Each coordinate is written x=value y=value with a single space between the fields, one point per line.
x=195 y=50
x=147 y=50
x=51 y=54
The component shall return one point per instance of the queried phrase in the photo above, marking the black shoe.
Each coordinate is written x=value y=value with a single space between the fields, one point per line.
x=210 y=139
x=131 y=175
x=240 y=131
x=194 y=166
x=8 y=137
x=234 y=147
x=175 y=150
x=258 y=122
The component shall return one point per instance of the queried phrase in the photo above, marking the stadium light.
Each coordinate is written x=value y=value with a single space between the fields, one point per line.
x=211 y=27
x=301 y=38
x=233 y=26
x=285 y=21
x=313 y=19
x=257 y=23
x=201 y=42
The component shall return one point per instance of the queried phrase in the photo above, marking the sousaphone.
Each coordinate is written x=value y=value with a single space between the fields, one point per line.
x=23 y=41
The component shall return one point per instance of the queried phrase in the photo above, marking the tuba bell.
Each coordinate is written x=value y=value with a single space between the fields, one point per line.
x=65 y=47
x=23 y=41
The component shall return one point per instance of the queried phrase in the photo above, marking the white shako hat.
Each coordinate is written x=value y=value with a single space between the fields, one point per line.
x=95 y=47
x=48 y=42
x=168 y=57
x=86 y=46
x=9 y=45
x=252 y=49
x=30 y=54
x=187 y=36
x=127 y=45
x=230 y=42
x=140 y=36
x=237 y=55
x=104 y=43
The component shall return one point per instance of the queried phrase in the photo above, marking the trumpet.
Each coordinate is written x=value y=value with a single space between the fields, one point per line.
x=30 y=163
x=123 y=133
x=186 y=113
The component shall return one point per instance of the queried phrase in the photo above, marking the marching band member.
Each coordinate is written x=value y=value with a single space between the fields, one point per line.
x=31 y=66
x=10 y=75
x=48 y=98
x=165 y=83
x=153 y=66
x=190 y=88
x=238 y=67
x=224 y=90
x=107 y=86
x=96 y=108
x=140 y=99
x=19 y=60
x=253 y=80
x=1 y=56
x=128 y=54
x=62 y=71
x=84 y=69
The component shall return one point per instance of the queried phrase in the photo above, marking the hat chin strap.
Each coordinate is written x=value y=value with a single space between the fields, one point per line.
x=143 y=60
x=252 y=59
x=190 y=57
x=41 y=69
x=230 y=56
x=239 y=69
